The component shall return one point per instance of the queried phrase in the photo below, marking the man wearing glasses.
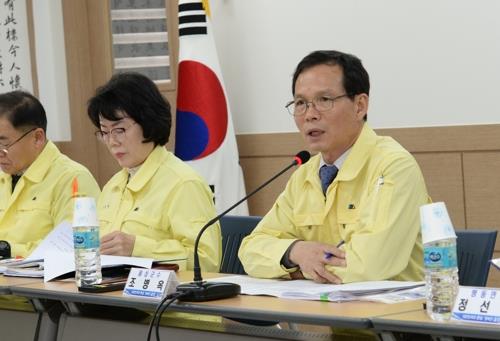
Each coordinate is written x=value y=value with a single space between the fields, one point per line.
x=36 y=179
x=352 y=212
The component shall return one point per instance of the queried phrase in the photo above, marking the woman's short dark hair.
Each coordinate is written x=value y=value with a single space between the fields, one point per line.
x=22 y=109
x=355 y=81
x=139 y=98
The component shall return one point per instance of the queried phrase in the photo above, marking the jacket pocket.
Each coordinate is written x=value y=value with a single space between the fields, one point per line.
x=105 y=217
x=34 y=220
x=348 y=222
x=34 y=205
x=140 y=223
x=310 y=226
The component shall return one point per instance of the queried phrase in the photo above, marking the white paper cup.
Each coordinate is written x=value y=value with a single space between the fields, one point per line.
x=85 y=212
x=435 y=223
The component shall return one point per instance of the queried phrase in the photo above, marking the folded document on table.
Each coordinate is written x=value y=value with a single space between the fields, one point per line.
x=309 y=290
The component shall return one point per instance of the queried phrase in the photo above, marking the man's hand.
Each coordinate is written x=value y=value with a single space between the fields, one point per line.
x=117 y=243
x=312 y=257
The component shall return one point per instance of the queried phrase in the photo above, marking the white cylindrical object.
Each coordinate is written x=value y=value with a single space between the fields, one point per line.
x=85 y=212
x=440 y=260
x=435 y=222
x=86 y=242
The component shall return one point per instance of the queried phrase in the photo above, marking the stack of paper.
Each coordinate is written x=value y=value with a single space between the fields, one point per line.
x=22 y=267
x=55 y=257
x=384 y=291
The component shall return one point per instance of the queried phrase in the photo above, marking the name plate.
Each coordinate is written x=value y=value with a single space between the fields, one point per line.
x=150 y=283
x=481 y=305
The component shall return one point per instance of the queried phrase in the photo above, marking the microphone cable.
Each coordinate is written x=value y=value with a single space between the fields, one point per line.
x=163 y=305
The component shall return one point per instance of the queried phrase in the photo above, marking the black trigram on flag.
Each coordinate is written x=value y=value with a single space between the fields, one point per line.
x=192 y=19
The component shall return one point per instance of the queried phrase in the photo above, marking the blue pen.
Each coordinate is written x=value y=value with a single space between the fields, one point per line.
x=329 y=255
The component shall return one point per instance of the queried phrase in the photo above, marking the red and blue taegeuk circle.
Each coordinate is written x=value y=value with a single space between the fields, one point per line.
x=202 y=115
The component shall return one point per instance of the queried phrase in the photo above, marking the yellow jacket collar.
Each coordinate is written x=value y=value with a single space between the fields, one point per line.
x=358 y=156
x=313 y=177
x=354 y=161
x=37 y=170
x=148 y=168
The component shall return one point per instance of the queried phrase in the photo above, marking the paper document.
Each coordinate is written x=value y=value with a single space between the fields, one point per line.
x=24 y=272
x=18 y=263
x=59 y=239
x=391 y=296
x=59 y=263
x=309 y=290
x=496 y=263
x=34 y=271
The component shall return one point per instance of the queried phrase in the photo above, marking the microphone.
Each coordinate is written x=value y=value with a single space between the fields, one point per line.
x=198 y=290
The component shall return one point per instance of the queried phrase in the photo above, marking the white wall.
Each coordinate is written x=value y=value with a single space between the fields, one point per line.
x=51 y=67
x=431 y=62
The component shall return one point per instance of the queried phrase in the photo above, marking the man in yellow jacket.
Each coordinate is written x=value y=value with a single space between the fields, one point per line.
x=35 y=182
x=352 y=212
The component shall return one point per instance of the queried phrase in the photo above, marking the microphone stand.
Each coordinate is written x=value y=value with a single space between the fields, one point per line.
x=199 y=290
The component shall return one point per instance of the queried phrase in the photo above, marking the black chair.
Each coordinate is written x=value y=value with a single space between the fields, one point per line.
x=234 y=229
x=474 y=251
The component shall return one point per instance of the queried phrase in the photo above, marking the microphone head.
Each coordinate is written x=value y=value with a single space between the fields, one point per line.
x=302 y=157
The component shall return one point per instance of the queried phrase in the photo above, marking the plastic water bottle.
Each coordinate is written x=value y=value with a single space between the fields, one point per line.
x=441 y=277
x=86 y=243
x=87 y=256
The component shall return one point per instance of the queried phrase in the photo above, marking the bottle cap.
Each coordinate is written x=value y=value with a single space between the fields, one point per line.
x=435 y=223
x=85 y=213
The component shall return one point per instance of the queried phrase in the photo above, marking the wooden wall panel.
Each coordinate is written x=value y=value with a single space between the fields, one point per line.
x=258 y=145
x=102 y=69
x=482 y=188
x=447 y=139
x=259 y=170
x=443 y=176
x=261 y=157
x=83 y=146
x=171 y=98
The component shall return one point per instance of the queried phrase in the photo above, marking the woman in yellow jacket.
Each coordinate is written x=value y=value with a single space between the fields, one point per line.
x=156 y=205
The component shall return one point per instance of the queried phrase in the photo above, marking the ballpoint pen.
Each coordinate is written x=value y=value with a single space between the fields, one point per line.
x=329 y=255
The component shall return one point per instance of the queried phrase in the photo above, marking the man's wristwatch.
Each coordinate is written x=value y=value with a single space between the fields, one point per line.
x=285 y=260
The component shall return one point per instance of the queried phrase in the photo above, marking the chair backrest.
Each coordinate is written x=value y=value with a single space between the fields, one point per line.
x=474 y=250
x=234 y=229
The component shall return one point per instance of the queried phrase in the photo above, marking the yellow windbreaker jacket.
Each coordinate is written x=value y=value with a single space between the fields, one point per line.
x=165 y=204
x=41 y=199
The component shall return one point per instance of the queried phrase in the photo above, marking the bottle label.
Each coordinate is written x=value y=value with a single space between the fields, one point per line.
x=86 y=239
x=444 y=257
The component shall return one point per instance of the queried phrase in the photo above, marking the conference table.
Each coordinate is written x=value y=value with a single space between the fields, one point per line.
x=111 y=316
x=7 y=282
x=22 y=324
x=418 y=321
